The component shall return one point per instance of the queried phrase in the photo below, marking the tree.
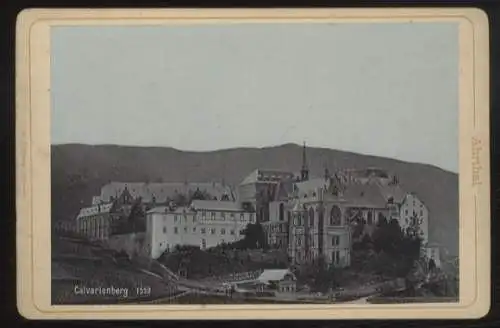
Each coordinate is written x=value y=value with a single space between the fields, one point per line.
x=200 y=195
x=180 y=199
x=254 y=238
x=322 y=276
x=400 y=250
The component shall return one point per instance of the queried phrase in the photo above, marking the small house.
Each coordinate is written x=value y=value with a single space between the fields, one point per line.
x=282 y=280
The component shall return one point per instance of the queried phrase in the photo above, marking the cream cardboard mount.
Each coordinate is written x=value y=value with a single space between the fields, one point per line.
x=45 y=274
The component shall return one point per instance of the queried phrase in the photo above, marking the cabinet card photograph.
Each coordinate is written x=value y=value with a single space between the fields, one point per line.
x=257 y=163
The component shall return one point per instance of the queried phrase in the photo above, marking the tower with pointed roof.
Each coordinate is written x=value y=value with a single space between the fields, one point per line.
x=304 y=171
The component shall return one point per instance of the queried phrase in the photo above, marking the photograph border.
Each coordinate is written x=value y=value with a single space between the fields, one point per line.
x=33 y=182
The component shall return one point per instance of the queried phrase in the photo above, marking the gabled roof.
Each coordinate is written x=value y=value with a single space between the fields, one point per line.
x=284 y=190
x=394 y=191
x=311 y=185
x=364 y=195
x=275 y=275
x=161 y=191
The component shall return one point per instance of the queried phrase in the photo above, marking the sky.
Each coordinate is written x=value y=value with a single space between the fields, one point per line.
x=385 y=89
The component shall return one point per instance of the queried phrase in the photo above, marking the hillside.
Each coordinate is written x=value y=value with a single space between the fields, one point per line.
x=79 y=171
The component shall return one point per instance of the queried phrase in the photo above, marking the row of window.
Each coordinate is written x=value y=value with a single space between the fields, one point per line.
x=334 y=257
x=335 y=241
x=421 y=212
x=204 y=231
x=222 y=216
x=301 y=219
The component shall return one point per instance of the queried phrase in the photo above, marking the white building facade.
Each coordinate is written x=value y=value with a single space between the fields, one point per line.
x=95 y=222
x=414 y=216
x=204 y=224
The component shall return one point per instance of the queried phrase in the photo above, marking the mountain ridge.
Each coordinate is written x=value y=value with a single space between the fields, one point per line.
x=80 y=170
x=289 y=144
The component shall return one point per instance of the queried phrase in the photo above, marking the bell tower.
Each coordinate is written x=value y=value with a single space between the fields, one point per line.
x=304 y=171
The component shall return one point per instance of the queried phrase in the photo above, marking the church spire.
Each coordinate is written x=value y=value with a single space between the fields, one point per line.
x=304 y=172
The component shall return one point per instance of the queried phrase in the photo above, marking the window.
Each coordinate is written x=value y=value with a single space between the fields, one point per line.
x=176 y=231
x=164 y=229
x=252 y=218
x=203 y=214
x=223 y=216
x=299 y=241
x=203 y=230
x=335 y=216
x=370 y=218
x=232 y=232
x=335 y=240
x=232 y=216
x=311 y=217
x=203 y=244
x=242 y=217
x=185 y=229
x=421 y=213
x=406 y=212
x=335 y=257
x=175 y=218
x=212 y=215
x=194 y=229
x=212 y=231
x=222 y=231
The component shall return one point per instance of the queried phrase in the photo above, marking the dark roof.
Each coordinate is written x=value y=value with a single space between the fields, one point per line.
x=214 y=205
x=394 y=191
x=311 y=185
x=166 y=209
x=365 y=195
x=161 y=191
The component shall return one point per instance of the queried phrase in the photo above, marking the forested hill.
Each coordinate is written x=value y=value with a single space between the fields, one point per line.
x=79 y=171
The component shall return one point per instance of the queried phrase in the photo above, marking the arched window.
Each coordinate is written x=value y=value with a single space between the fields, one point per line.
x=335 y=216
x=311 y=217
x=282 y=212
